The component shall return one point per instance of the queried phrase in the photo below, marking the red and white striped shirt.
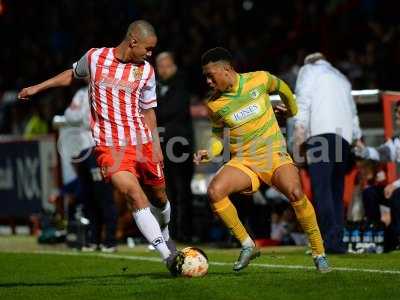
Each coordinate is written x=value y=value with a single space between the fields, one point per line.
x=118 y=93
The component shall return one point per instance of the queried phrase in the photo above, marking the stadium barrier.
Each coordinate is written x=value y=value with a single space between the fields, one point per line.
x=28 y=171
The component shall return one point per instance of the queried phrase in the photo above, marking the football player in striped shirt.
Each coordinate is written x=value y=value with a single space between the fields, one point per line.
x=122 y=92
x=240 y=106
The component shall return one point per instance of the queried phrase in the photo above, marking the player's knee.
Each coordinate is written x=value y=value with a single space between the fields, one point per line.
x=295 y=193
x=131 y=194
x=215 y=192
x=122 y=189
x=136 y=199
x=159 y=197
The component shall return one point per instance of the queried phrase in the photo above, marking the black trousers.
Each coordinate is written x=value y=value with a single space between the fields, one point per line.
x=372 y=197
x=98 y=202
x=328 y=158
x=178 y=177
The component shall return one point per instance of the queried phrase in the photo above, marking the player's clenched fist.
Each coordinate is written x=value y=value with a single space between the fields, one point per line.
x=26 y=93
x=199 y=156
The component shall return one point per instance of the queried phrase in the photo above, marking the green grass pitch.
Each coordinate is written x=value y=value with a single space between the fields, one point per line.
x=52 y=273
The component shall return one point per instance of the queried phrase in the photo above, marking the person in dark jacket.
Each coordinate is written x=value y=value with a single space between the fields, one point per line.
x=176 y=136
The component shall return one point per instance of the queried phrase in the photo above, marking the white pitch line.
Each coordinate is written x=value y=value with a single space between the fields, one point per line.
x=214 y=263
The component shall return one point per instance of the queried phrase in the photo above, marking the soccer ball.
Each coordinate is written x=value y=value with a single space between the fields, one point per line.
x=193 y=262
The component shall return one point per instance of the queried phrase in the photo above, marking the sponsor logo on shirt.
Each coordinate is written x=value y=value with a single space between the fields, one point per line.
x=116 y=83
x=127 y=85
x=246 y=112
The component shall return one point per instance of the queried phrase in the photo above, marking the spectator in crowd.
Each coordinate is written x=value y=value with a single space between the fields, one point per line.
x=327 y=124
x=389 y=195
x=280 y=226
x=97 y=195
x=176 y=133
x=36 y=125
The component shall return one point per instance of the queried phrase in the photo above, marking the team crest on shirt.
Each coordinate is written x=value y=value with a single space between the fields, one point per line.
x=254 y=93
x=136 y=72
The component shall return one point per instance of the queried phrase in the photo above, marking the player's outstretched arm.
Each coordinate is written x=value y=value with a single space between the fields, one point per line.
x=63 y=79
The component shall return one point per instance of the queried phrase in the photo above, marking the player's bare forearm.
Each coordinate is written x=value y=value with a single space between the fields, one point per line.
x=63 y=79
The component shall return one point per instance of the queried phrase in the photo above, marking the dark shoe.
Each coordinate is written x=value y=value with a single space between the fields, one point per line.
x=171 y=246
x=174 y=263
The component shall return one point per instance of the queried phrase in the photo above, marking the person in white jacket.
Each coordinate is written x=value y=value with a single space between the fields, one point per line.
x=325 y=126
x=97 y=195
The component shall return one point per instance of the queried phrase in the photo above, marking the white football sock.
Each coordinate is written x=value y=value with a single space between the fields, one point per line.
x=150 y=228
x=163 y=216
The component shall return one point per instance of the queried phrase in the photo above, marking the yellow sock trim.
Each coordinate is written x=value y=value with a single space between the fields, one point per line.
x=306 y=216
x=227 y=212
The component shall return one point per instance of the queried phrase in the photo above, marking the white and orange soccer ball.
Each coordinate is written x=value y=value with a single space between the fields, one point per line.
x=193 y=262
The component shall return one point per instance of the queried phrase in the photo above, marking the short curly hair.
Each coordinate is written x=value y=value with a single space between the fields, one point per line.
x=215 y=55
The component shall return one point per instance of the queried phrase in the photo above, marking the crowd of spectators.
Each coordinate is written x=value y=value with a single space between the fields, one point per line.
x=359 y=36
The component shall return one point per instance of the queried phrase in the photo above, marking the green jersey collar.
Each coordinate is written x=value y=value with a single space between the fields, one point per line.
x=237 y=89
